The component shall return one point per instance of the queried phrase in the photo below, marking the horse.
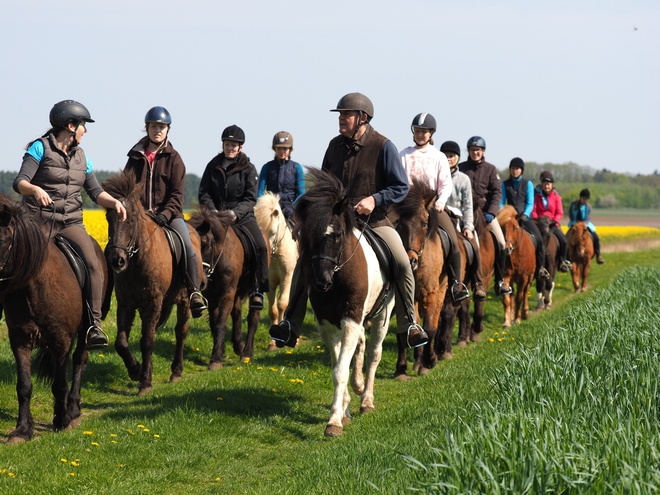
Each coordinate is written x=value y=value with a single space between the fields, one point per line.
x=283 y=255
x=230 y=279
x=580 y=252
x=545 y=288
x=345 y=283
x=487 y=250
x=520 y=266
x=44 y=308
x=147 y=280
x=418 y=227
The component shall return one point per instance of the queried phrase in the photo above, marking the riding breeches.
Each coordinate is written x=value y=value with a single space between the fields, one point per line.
x=563 y=243
x=261 y=269
x=78 y=236
x=533 y=229
x=495 y=228
x=596 y=240
x=179 y=225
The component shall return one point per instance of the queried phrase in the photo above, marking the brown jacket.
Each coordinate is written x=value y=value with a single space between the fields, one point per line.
x=486 y=185
x=164 y=181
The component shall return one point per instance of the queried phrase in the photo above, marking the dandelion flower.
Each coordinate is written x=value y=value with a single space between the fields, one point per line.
x=157 y=436
x=491 y=339
x=95 y=444
x=140 y=426
x=146 y=429
x=88 y=432
x=63 y=460
x=74 y=463
x=219 y=398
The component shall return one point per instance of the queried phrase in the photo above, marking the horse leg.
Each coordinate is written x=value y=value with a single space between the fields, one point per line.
x=60 y=392
x=24 y=424
x=147 y=343
x=477 y=321
x=464 y=324
x=402 y=359
x=357 y=376
x=254 y=315
x=507 y=304
x=575 y=275
x=80 y=357
x=218 y=314
x=125 y=317
x=237 y=326
x=585 y=274
x=181 y=333
x=445 y=330
x=341 y=399
x=377 y=335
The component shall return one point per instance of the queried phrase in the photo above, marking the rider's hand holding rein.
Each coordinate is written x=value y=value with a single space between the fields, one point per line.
x=366 y=206
x=40 y=196
x=108 y=202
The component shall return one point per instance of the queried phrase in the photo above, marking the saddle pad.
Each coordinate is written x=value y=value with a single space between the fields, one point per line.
x=249 y=245
x=76 y=260
x=469 y=250
x=177 y=247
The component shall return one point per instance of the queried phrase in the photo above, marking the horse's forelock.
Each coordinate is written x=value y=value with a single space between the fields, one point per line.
x=263 y=210
x=506 y=214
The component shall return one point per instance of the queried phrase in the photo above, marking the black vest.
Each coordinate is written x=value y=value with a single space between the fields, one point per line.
x=516 y=197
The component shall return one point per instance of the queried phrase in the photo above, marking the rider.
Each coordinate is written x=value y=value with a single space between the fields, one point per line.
x=282 y=175
x=460 y=204
x=519 y=193
x=580 y=211
x=547 y=202
x=486 y=193
x=427 y=164
x=159 y=166
x=53 y=172
x=229 y=183
x=368 y=165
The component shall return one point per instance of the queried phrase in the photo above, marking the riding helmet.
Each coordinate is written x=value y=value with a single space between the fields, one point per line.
x=68 y=111
x=233 y=133
x=423 y=121
x=546 y=176
x=283 y=139
x=451 y=147
x=585 y=194
x=517 y=162
x=477 y=141
x=158 y=115
x=356 y=102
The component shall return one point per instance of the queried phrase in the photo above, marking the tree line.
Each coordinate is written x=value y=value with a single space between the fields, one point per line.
x=608 y=189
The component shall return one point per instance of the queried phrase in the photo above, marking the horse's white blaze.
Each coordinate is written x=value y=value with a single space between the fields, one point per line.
x=329 y=229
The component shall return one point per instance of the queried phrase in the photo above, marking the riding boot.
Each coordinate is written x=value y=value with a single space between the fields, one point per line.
x=501 y=287
x=596 y=240
x=458 y=290
x=96 y=338
x=541 y=270
x=286 y=332
x=197 y=302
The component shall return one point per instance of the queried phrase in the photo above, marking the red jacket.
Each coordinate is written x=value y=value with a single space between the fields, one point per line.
x=554 y=209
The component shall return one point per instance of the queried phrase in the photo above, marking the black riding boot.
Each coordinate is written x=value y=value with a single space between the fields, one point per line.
x=197 y=301
x=501 y=287
x=596 y=239
x=96 y=338
x=286 y=332
x=458 y=290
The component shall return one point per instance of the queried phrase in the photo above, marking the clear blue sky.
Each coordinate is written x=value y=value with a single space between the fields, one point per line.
x=549 y=81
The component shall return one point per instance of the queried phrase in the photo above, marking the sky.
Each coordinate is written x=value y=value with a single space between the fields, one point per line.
x=548 y=81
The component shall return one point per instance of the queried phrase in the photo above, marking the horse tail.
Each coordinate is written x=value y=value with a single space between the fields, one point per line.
x=44 y=365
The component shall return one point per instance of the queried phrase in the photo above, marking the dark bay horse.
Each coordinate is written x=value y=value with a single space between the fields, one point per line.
x=418 y=227
x=147 y=280
x=520 y=266
x=230 y=279
x=345 y=283
x=544 y=288
x=44 y=308
x=580 y=252
x=487 y=251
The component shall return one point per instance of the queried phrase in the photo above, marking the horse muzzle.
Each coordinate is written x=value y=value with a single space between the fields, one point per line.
x=117 y=260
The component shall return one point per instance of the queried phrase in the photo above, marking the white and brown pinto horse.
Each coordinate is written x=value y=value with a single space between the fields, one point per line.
x=344 y=280
x=283 y=255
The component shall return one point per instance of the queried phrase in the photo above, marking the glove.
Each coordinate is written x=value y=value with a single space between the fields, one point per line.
x=161 y=219
x=232 y=216
x=288 y=211
x=524 y=218
x=489 y=217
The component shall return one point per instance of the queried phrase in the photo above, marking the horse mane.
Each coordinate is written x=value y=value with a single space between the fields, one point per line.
x=314 y=210
x=543 y=223
x=217 y=221
x=505 y=215
x=418 y=195
x=266 y=205
x=29 y=244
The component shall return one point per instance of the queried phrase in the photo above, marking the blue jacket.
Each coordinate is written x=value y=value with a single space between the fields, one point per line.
x=580 y=213
x=519 y=193
x=285 y=178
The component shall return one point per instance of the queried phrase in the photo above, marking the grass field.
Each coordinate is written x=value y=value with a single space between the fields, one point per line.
x=258 y=428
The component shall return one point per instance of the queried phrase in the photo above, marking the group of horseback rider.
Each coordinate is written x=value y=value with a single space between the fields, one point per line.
x=375 y=174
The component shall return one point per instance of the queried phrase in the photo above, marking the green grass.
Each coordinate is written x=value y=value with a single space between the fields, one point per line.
x=258 y=428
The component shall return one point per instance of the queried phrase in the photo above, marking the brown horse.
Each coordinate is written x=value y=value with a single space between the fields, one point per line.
x=545 y=288
x=418 y=227
x=283 y=255
x=345 y=285
x=487 y=251
x=230 y=279
x=44 y=308
x=147 y=280
x=580 y=252
x=520 y=266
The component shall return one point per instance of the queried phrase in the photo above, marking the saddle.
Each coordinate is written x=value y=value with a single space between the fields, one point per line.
x=75 y=257
x=250 y=249
x=387 y=263
x=178 y=249
x=535 y=240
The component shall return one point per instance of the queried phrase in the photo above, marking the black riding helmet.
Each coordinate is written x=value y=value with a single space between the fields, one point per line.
x=158 y=115
x=424 y=121
x=233 y=133
x=451 y=147
x=67 y=111
x=517 y=162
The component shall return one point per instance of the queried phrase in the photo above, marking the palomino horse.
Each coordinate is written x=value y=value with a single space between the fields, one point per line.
x=345 y=283
x=520 y=266
x=487 y=252
x=580 y=252
x=147 y=280
x=283 y=255
x=230 y=279
x=44 y=308
x=418 y=227
x=544 y=288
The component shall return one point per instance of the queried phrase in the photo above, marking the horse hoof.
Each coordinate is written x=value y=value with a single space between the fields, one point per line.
x=175 y=378
x=366 y=409
x=145 y=391
x=215 y=366
x=333 y=431
x=346 y=420
x=75 y=423
x=16 y=440
x=461 y=343
x=135 y=378
x=446 y=355
x=506 y=325
x=402 y=377
x=475 y=337
x=416 y=367
x=271 y=346
x=423 y=371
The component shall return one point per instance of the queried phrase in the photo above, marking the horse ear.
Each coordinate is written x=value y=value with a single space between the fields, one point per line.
x=5 y=216
x=430 y=201
x=341 y=206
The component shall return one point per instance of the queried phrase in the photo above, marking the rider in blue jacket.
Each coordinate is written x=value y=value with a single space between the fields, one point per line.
x=580 y=211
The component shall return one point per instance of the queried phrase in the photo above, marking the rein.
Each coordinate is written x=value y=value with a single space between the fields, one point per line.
x=338 y=266
x=276 y=242
x=210 y=267
x=131 y=250
x=421 y=249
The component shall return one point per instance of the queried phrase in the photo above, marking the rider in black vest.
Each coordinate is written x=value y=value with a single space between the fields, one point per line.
x=519 y=193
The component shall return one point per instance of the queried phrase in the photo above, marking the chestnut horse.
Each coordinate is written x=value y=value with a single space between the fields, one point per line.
x=230 y=279
x=580 y=252
x=487 y=251
x=147 y=280
x=345 y=283
x=283 y=255
x=520 y=266
x=544 y=288
x=44 y=308
x=418 y=227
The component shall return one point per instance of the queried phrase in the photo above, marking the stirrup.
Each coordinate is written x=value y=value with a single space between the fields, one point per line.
x=543 y=273
x=420 y=337
x=100 y=341
x=459 y=291
x=256 y=304
x=503 y=288
x=277 y=334
x=197 y=311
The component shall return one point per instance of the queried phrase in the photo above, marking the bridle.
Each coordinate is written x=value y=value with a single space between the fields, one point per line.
x=210 y=267
x=275 y=243
x=131 y=249
x=425 y=225
x=335 y=260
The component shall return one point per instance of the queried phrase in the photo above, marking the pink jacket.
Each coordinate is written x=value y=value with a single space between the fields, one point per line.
x=554 y=210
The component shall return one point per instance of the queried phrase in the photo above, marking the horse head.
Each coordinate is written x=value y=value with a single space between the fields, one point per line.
x=213 y=229
x=325 y=220
x=417 y=220
x=270 y=218
x=577 y=239
x=125 y=238
x=507 y=220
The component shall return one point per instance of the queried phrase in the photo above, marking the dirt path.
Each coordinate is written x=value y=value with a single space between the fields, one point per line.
x=630 y=246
